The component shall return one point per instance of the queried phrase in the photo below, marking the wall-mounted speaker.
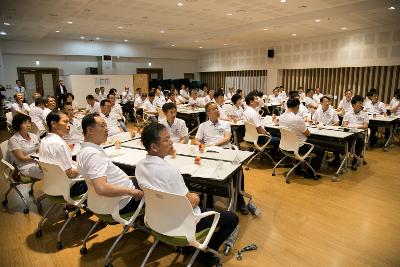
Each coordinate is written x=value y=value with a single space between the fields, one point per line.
x=270 y=53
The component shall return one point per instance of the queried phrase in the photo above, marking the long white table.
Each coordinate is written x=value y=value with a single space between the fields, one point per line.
x=388 y=122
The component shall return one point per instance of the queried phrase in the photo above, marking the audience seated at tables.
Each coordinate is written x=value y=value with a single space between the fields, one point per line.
x=251 y=116
x=345 y=104
x=156 y=173
x=236 y=112
x=196 y=101
x=93 y=163
x=394 y=105
x=184 y=92
x=37 y=116
x=292 y=121
x=53 y=149
x=116 y=109
x=126 y=96
x=50 y=105
x=34 y=96
x=357 y=119
x=317 y=95
x=220 y=101
x=159 y=98
x=139 y=101
x=113 y=126
x=210 y=96
x=22 y=144
x=75 y=135
x=375 y=106
x=92 y=105
x=214 y=132
x=325 y=113
x=309 y=101
x=19 y=106
x=71 y=99
x=175 y=126
x=275 y=98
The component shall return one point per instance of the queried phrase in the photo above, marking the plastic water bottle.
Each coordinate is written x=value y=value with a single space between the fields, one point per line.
x=253 y=208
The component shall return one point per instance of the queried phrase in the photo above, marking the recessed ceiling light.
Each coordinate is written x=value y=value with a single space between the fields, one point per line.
x=82 y=37
x=172 y=45
x=228 y=14
x=97 y=38
x=200 y=47
x=162 y=31
x=283 y=1
x=265 y=29
x=293 y=34
x=69 y=22
x=125 y=40
x=344 y=28
x=180 y=4
x=120 y=27
x=7 y=24
x=391 y=8
x=3 y=33
x=317 y=20
x=225 y=44
x=57 y=31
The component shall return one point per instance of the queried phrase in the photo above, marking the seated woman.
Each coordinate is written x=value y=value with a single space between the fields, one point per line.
x=22 y=144
x=237 y=109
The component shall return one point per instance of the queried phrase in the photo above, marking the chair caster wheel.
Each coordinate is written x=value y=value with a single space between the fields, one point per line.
x=287 y=181
x=273 y=174
x=31 y=192
x=60 y=245
x=247 y=168
x=39 y=233
x=66 y=214
x=78 y=213
x=26 y=211
x=83 y=251
x=108 y=265
x=365 y=163
x=5 y=202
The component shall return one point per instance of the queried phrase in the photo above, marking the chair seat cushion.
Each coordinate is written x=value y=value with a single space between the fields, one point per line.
x=107 y=218
x=180 y=241
x=291 y=154
x=26 y=179
x=61 y=200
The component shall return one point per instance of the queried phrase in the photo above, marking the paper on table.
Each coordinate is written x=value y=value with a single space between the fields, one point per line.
x=114 y=152
x=189 y=169
x=205 y=172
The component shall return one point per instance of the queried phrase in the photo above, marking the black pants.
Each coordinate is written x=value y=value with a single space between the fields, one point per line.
x=130 y=207
x=373 y=139
x=78 y=188
x=360 y=141
x=319 y=155
x=226 y=224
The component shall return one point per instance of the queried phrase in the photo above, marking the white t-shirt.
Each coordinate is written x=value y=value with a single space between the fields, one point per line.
x=199 y=101
x=37 y=117
x=112 y=124
x=53 y=149
x=24 y=108
x=177 y=130
x=155 y=173
x=251 y=116
x=275 y=100
x=346 y=105
x=236 y=111
x=46 y=111
x=93 y=109
x=28 y=147
x=75 y=135
x=377 y=108
x=308 y=100
x=126 y=96
x=184 y=94
x=223 y=113
x=328 y=117
x=139 y=102
x=160 y=101
x=211 y=133
x=294 y=123
x=208 y=99
x=317 y=98
x=116 y=111
x=356 y=119
x=93 y=163
x=150 y=106
x=393 y=104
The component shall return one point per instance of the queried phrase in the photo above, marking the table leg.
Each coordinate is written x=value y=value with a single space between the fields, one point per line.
x=389 y=140
x=232 y=198
x=344 y=165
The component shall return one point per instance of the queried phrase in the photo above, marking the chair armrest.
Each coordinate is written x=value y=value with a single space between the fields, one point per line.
x=193 y=241
x=307 y=153
x=77 y=179
x=117 y=217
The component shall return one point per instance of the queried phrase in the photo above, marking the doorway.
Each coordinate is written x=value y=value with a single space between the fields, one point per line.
x=38 y=80
x=152 y=73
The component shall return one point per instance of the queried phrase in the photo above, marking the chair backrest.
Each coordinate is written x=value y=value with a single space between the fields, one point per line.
x=4 y=151
x=289 y=141
x=55 y=180
x=251 y=134
x=6 y=170
x=9 y=116
x=168 y=214
x=161 y=115
x=34 y=128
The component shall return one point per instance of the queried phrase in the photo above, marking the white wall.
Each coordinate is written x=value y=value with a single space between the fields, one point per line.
x=83 y=85
x=370 y=47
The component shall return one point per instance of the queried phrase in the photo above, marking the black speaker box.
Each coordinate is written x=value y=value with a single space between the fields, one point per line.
x=270 y=53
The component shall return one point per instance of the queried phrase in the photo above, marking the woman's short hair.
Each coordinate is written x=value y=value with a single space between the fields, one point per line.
x=235 y=98
x=18 y=120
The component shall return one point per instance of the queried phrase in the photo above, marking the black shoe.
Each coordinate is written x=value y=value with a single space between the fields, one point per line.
x=311 y=175
x=242 y=208
x=207 y=259
x=298 y=172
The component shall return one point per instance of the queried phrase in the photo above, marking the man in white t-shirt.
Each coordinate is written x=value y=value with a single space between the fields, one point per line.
x=19 y=88
x=93 y=163
x=92 y=105
x=325 y=113
x=345 y=104
x=196 y=101
x=357 y=119
x=156 y=173
x=19 y=105
x=113 y=126
x=37 y=116
x=220 y=101
x=214 y=132
x=375 y=106
x=53 y=149
x=34 y=96
x=116 y=111
x=303 y=111
x=150 y=107
x=275 y=99
x=230 y=93
x=290 y=120
x=395 y=103
x=309 y=101
x=75 y=135
x=317 y=95
x=176 y=127
x=159 y=98
x=184 y=92
x=139 y=101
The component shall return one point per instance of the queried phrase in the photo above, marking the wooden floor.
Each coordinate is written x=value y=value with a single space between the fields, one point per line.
x=352 y=222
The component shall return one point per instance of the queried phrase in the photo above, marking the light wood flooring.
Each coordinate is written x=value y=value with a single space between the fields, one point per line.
x=352 y=222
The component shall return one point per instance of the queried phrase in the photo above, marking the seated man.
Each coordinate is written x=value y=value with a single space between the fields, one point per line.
x=75 y=135
x=92 y=105
x=50 y=106
x=159 y=98
x=326 y=114
x=156 y=173
x=34 y=96
x=139 y=101
x=150 y=106
x=37 y=116
x=214 y=132
x=116 y=111
x=220 y=100
x=309 y=101
x=108 y=180
x=113 y=126
x=317 y=96
x=251 y=116
x=19 y=106
x=290 y=120
x=196 y=101
x=357 y=119
x=345 y=104
x=275 y=100
x=176 y=127
x=53 y=149
x=394 y=105
x=375 y=106
x=303 y=111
